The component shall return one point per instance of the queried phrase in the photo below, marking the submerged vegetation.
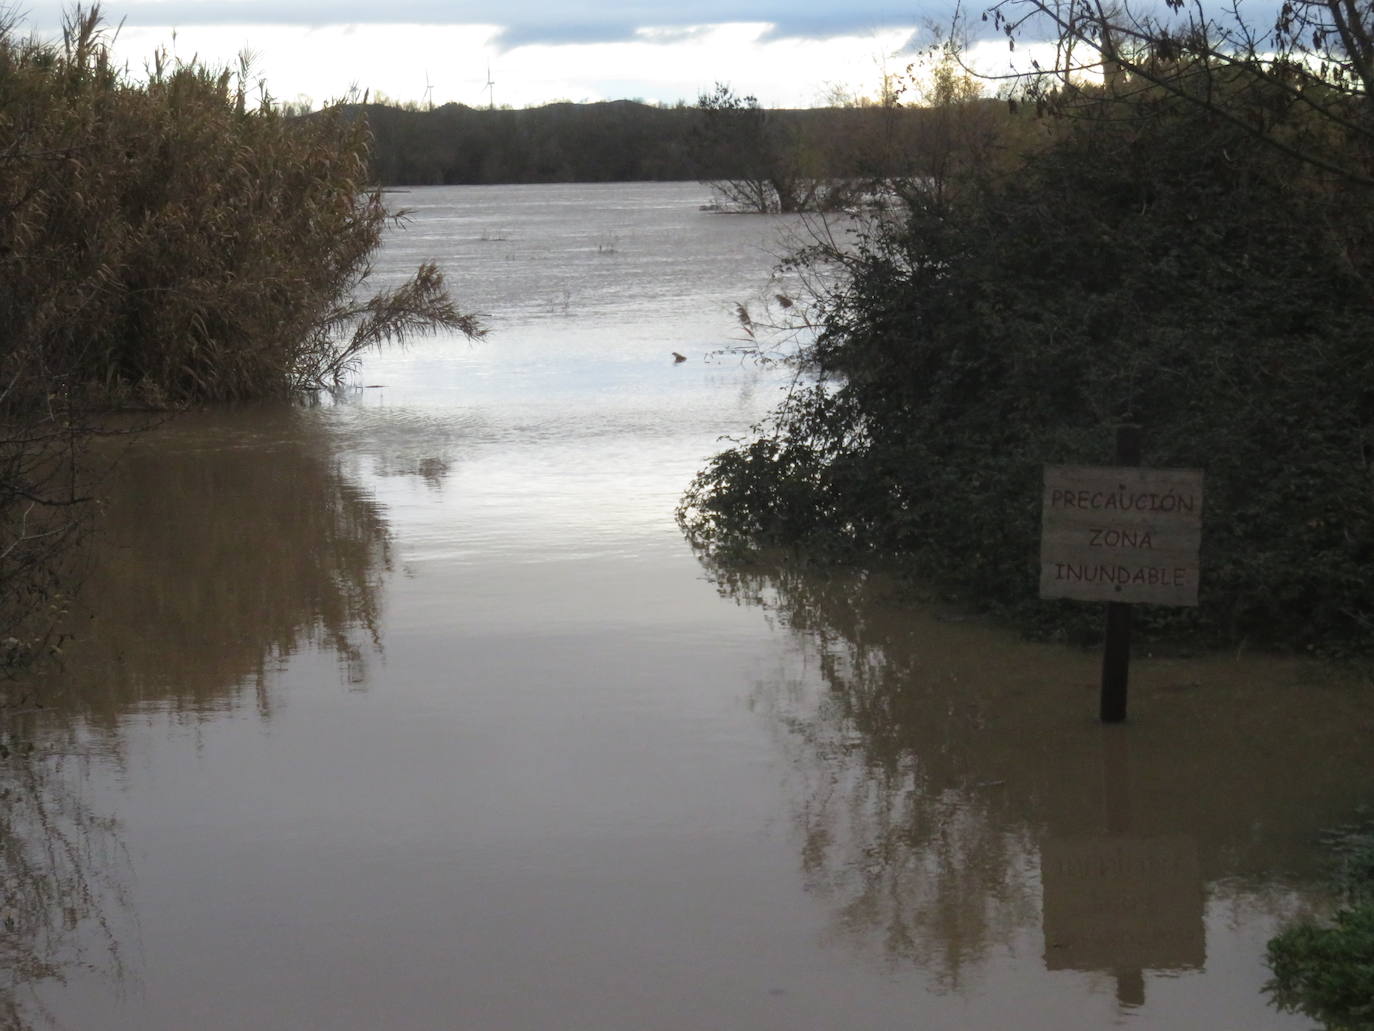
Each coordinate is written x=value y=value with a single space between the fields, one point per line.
x=164 y=241
x=1183 y=244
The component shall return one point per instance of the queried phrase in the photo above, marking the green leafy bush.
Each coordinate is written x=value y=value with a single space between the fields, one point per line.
x=1327 y=971
x=1154 y=262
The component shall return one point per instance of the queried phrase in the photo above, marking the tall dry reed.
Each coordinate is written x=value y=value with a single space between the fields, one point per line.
x=167 y=240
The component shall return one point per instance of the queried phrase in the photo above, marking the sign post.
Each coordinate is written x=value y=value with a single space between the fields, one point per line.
x=1123 y=535
x=1116 y=650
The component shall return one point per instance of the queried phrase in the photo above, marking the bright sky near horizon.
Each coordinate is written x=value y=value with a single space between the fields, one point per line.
x=788 y=53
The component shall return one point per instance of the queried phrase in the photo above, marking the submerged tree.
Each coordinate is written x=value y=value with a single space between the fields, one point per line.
x=759 y=162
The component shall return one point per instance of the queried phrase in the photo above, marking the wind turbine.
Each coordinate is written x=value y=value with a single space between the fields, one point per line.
x=429 y=92
x=491 y=91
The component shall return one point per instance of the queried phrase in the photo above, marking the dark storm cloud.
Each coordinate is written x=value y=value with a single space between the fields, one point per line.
x=560 y=22
x=524 y=21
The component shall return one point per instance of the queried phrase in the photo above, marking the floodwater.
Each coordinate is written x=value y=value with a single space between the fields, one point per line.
x=412 y=709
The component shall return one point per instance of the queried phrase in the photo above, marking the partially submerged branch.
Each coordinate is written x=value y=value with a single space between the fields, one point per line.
x=420 y=307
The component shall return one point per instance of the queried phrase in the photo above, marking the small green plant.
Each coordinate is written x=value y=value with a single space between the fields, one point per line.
x=1327 y=971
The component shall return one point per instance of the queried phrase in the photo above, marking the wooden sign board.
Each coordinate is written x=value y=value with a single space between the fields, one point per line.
x=1121 y=533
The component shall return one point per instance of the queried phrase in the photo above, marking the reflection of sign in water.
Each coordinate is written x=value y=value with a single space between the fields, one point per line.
x=1122 y=903
x=1121 y=534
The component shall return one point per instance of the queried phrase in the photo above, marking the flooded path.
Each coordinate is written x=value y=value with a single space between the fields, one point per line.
x=415 y=711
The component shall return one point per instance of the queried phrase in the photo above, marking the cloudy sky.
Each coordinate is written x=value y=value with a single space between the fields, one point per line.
x=786 y=52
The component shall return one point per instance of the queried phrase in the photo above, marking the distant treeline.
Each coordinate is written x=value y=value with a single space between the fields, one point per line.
x=614 y=141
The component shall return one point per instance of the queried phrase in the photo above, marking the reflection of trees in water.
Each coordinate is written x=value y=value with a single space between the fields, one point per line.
x=938 y=760
x=60 y=879
x=230 y=541
x=935 y=881
x=909 y=841
x=399 y=442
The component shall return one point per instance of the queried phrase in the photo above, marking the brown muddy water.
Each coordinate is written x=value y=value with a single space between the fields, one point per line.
x=412 y=709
